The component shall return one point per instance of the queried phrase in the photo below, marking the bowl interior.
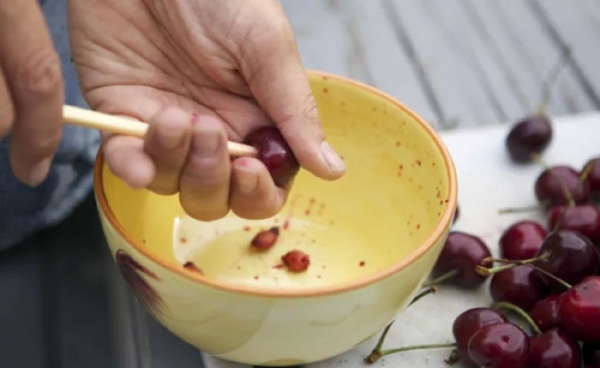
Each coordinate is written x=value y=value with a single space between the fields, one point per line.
x=389 y=203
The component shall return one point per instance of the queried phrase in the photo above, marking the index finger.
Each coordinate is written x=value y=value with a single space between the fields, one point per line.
x=32 y=70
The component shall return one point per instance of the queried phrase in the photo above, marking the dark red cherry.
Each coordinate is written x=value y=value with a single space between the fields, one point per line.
x=591 y=355
x=584 y=218
x=519 y=285
x=275 y=153
x=554 y=349
x=469 y=322
x=501 y=345
x=545 y=313
x=550 y=191
x=593 y=177
x=570 y=256
x=579 y=310
x=528 y=137
x=522 y=240
x=462 y=252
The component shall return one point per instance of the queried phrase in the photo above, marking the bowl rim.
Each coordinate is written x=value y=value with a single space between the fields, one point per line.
x=442 y=226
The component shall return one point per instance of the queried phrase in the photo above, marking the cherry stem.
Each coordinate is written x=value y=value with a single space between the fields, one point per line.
x=528 y=262
x=377 y=352
x=537 y=158
x=553 y=77
x=444 y=277
x=508 y=210
x=488 y=271
x=520 y=312
x=376 y=355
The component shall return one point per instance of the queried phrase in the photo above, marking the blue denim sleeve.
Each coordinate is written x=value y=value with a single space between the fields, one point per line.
x=27 y=210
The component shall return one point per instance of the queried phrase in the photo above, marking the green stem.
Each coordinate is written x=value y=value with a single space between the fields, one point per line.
x=552 y=77
x=520 y=312
x=429 y=290
x=534 y=208
x=418 y=347
x=440 y=279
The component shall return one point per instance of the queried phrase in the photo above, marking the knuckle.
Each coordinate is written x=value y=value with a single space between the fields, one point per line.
x=39 y=75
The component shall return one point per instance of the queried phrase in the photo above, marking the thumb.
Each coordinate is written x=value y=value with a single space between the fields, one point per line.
x=279 y=84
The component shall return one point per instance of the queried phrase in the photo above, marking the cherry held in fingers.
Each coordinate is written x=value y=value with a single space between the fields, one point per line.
x=275 y=153
x=519 y=285
x=591 y=355
x=501 y=345
x=469 y=322
x=579 y=310
x=583 y=218
x=554 y=349
x=559 y=185
x=545 y=313
x=522 y=240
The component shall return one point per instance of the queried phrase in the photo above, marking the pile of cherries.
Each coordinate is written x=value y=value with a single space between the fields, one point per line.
x=547 y=275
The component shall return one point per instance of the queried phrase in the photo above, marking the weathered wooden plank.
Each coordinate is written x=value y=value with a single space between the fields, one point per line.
x=354 y=38
x=464 y=97
x=519 y=41
x=578 y=24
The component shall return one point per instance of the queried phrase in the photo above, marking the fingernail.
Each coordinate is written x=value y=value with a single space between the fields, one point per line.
x=171 y=139
x=39 y=172
x=331 y=157
x=246 y=177
x=207 y=136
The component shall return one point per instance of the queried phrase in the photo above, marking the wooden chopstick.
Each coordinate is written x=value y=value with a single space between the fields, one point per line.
x=115 y=124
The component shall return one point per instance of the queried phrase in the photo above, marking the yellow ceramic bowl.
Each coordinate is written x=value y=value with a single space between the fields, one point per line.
x=372 y=237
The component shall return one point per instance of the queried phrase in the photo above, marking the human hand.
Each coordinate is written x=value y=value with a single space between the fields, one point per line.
x=199 y=72
x=31 y=90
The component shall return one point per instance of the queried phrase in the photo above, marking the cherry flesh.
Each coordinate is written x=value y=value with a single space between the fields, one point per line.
x=579 y=310
x=296 y=261
x=550 y=186
x=275 y=153
x=529 y=137
x=501 y=345
x=584 y=218
x=519 y=285
x=591 y=355
x=545 y=313
x=569 y=256
x=593 y=177
x=554 y=349
x=522 y=240
x=266 y=239
x=469 y=322
x=462 y=252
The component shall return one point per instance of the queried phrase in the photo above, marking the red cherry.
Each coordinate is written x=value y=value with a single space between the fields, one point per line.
x=501 y=345
x=528 y=137
x=584 y=218
x=522 y=240
x=275 y=153
x=554 y=349
x=462 y=252
x=545 y=313
x=591 y=355
x=469 y=322
x=579 y=309
x=570 y=257
x=296 y=261
x=518 y=285
x=593 y=177
x=551 y=183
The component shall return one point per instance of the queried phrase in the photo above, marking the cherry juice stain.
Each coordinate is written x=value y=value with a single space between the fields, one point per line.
x=133 y=273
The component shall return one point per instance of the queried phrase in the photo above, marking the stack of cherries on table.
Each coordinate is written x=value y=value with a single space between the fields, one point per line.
x=547 y=275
